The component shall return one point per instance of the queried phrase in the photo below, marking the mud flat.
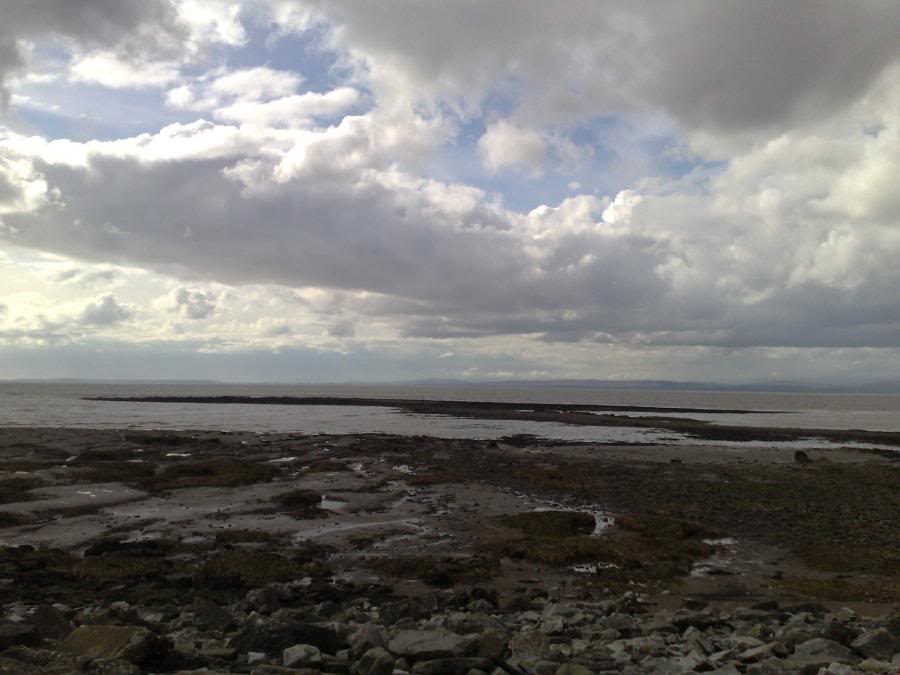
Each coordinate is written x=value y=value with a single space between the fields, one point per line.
x=147 y=551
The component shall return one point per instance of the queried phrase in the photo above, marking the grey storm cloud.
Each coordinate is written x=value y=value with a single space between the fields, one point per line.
x=105 y=311
x=724 y=65
x=133 y=26
x=792 y=243
x=194 y=304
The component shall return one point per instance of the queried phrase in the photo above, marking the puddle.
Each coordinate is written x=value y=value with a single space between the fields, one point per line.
x=283 y=460
x=592 y=568
x=324 y=530
x=332 y=504
x=178 y=454
x=602 y=519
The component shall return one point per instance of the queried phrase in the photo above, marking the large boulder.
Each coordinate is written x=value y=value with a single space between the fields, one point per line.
x=876 y=644
x=426 y=645
x=128 y=643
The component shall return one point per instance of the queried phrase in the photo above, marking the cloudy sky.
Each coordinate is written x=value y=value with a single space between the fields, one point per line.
x=329 y=190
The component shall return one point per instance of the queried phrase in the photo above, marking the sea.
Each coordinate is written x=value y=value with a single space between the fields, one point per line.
x=54 y=404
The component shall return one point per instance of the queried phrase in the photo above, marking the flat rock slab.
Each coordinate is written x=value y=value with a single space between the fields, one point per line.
x=129 y=643
x=426 y=645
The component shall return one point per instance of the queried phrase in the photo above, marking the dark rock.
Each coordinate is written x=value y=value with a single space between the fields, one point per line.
x=840 y=632
x=876 y=644
x=376 y=661
x=49 y=622
x=801 y=457
x=17 y=634
x=276 y=637
x=452 y=666
x=209 y=616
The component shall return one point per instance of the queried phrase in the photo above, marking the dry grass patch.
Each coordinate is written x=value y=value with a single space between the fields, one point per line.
x=300 y=503
x=16 y=489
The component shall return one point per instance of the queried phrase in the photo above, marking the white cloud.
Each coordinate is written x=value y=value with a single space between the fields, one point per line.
x=110 y=70
x=506 y=145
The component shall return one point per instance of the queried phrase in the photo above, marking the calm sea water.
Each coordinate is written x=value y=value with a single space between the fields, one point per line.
x=63 y=405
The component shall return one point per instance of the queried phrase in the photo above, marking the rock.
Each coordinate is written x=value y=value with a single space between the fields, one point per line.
x=529 y=645
x=876 y=666
x=128 y=643
x=49 y=622
x=837 y=669
x=376 y=661
x=724 y=670
x=17 y=634
x=301 y=655
x=492 y=644
x=427 y=645
x=770 y=666
x=822 y=647
x=572 y=669
x=368 y=636
x=276 y=637
x=809 y=665
x=801 y=457
x=209 y=616
x=766 y=651
x=451 y=666
x=876 y=644
x=266 y=600
x=840 y=632
x=544 y=668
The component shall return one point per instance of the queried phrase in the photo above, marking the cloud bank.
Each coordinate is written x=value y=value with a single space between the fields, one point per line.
x=375 y=202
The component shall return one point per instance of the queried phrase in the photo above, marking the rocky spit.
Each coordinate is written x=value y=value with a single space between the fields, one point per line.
x=273 y=631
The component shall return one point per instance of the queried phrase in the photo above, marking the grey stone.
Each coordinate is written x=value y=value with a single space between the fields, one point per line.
x=770 y=666
x=301 y=655
x=209 y=616
x=876 y=644
x=822 y=647
x=427 y=645
x=530 y=645
x=876 y=666
x=365 y=638
x=376 y=661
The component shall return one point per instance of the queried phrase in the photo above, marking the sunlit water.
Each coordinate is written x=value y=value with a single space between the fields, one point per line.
x=63 y=405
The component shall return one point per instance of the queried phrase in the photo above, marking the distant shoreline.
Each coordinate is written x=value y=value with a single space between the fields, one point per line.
x=574 y=414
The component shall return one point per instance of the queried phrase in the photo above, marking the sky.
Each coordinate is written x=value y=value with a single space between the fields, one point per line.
x=373 y=190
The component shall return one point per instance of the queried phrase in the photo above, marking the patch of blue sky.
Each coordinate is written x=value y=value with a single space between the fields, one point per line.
x=83 y=112
x=305 y=53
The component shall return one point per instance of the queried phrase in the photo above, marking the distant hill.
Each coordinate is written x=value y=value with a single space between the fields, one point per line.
x=670 y=385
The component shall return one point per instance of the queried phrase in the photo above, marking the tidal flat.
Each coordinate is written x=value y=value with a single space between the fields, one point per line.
x=149 y=530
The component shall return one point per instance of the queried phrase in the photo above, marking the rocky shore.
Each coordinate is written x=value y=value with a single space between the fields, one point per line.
x=149 y=552
x=275 y=630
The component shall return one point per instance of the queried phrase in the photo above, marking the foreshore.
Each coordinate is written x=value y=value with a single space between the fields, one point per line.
x=173 y=552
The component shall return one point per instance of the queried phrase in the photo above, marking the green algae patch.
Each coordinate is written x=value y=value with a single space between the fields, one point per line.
x=551 y=523
x=300 y=504
x=252 y=569
x=436 y=571
x=212 y=473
